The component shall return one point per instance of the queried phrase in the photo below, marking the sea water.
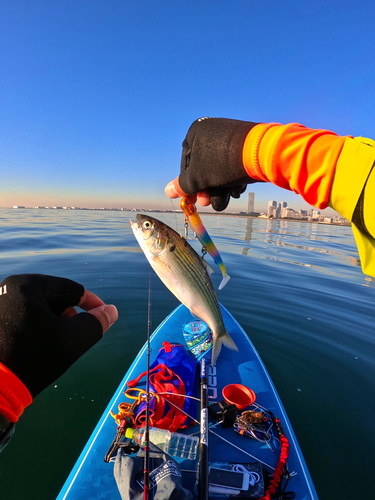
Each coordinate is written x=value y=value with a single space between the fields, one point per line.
x=296 y=288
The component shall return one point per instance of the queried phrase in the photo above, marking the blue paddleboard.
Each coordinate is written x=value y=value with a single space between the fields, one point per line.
x=92 y=478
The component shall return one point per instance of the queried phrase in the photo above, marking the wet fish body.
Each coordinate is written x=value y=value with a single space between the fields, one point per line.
x=184 y=273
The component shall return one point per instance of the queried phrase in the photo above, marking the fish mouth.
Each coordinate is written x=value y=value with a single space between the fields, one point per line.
x=134 y=226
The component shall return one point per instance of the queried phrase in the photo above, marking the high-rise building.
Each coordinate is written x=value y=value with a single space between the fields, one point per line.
x=282 y=204
x=272 y=205
x=250 y=203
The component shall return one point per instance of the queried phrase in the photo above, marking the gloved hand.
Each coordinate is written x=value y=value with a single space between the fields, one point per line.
x=41 y=333
x=212 y=161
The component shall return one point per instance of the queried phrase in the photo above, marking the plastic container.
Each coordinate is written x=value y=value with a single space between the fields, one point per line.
x=175 y=444
x=239 y=395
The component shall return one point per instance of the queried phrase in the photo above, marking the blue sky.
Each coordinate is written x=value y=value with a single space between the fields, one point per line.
x=96 y=97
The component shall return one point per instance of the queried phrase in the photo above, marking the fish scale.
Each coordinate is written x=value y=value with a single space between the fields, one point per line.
x=187 y=260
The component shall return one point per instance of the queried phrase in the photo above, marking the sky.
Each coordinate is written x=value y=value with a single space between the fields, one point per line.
x=96 y=97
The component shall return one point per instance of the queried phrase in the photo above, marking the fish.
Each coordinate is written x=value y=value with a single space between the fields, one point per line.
x=191 y=215
x=185 y=273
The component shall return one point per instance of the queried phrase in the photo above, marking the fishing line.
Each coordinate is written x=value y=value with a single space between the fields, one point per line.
x=175 y=213
x=181 y=396
x=243 y=451
x=179 y=409
x=146 y=472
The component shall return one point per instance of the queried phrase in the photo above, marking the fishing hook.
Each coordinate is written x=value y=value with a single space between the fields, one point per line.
x=186 y=225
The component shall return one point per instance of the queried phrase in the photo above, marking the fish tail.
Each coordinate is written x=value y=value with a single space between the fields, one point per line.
x=225 y=339
x=224 y=281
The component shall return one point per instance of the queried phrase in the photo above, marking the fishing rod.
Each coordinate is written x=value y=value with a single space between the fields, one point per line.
x=187 y=205
x=146 y=464
x=203 y=448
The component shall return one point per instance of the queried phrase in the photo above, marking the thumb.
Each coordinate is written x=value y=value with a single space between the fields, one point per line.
x=173 y=189
x=106 y=314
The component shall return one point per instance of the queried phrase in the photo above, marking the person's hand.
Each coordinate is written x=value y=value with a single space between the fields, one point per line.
x=211 y=163
x=41 y=333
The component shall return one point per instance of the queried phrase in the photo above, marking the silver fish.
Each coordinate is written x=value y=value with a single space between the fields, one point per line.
x=185 y=273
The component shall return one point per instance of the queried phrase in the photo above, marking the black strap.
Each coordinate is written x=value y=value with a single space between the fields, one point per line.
x=358 y=215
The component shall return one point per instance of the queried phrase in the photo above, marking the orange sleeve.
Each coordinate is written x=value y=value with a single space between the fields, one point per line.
x=294 y=157
x=14 y=396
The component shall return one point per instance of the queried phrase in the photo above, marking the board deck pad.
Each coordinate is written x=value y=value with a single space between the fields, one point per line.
x=198 y=338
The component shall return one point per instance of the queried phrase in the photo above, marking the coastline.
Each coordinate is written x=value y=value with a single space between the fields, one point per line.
x=201 y=213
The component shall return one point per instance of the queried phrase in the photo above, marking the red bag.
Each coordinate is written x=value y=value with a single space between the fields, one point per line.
x=173 y=372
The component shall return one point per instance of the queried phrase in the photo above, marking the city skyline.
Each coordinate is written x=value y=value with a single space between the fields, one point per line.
x=159 y=201
x=281 y=210
x=251 y=207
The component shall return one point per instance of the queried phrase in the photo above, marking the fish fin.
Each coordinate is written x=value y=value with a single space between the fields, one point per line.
x=216 y=348
x=229 y=342
x=225 y=280
x=225 y=339
x=207 y=266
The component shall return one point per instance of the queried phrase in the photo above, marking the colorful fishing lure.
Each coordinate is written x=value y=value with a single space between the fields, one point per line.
x=191 y=215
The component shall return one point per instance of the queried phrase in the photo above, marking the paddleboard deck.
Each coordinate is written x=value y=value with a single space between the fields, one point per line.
x=92 y=478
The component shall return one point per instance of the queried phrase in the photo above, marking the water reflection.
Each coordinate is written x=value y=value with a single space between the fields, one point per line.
x=248 y=235
x=369 y=282
x=295 y=242
x=354 y=261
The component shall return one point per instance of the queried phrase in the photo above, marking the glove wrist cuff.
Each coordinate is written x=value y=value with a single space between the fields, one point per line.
x=14 y=395
x=250 y=152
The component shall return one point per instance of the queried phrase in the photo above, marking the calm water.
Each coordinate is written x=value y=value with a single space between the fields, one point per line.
x=296 y=288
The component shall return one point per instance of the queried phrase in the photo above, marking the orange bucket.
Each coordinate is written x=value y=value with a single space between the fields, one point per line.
x=239 y=395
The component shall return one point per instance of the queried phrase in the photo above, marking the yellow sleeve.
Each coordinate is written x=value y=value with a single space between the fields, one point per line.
x=354 y=174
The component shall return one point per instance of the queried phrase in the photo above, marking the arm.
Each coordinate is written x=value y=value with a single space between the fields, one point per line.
x=325 y=169
x=41 y=336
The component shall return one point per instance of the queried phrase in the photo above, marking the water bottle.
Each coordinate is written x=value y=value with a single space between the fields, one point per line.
x=175 y=444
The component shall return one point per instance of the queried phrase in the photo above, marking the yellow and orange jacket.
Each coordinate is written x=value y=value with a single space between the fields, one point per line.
x=325 y=169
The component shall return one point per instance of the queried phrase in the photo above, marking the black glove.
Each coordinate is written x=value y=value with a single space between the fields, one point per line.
x=212 y=159
x=36 y=343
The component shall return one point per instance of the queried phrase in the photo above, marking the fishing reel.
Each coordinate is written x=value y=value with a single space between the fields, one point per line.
x=224 y=412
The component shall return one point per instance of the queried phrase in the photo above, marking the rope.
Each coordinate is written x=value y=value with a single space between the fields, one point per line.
x=279 y=471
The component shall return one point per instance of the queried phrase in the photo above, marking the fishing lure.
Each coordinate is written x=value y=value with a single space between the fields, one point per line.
x=191 y=215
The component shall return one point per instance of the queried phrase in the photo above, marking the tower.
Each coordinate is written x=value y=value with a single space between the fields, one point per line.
x=282 y=205
x=250 y=203
x=272 y=208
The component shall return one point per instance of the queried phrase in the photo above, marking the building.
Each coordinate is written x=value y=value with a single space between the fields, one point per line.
x=288 y=213
x=282 y=204
x=316 y=214
x=250 y=203
x=272 y=208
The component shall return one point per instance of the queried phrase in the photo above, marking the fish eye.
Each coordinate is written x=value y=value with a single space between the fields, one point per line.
x=147 y=224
